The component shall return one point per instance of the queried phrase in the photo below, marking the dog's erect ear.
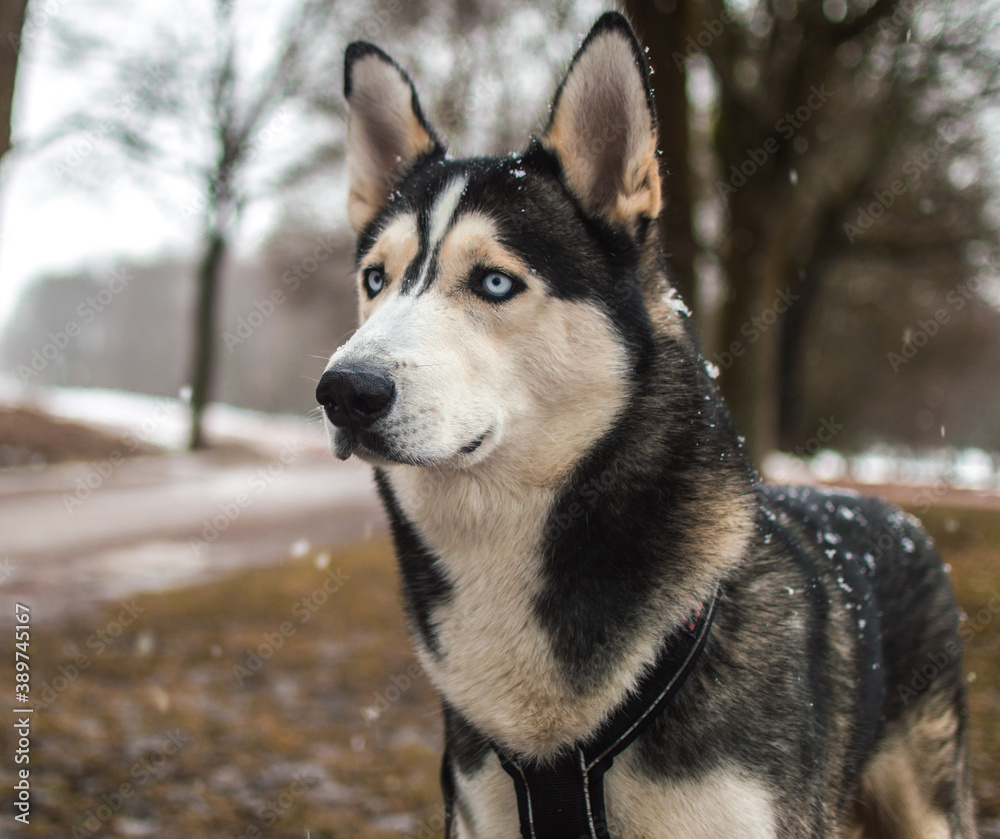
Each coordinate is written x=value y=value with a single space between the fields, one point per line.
x=603 y=127
x=386 y=133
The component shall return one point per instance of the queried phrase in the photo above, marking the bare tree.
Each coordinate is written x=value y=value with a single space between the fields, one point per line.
x=200 y=104
x=819 y=107
x=11 y=25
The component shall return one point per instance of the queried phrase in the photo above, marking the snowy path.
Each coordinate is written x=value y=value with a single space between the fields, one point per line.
x=78 y=533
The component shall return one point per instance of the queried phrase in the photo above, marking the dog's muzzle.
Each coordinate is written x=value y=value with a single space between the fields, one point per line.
x=357 y=396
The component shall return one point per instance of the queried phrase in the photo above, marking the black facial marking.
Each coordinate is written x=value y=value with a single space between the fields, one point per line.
x=432 y=270
x=397 y=204
x=412 y=274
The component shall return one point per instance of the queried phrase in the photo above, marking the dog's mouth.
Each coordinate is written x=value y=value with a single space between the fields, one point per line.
x=475 y=444
x=374 y=449
x=369 y=447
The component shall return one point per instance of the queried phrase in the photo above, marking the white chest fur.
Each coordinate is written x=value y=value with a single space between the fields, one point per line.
x=497 y=665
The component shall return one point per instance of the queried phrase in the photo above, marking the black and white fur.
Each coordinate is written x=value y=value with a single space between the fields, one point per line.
x=564 y=486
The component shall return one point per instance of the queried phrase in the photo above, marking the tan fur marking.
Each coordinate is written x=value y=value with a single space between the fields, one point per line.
x=394 y=249
x=896 y=809
x=474 y=240
x=896 y=790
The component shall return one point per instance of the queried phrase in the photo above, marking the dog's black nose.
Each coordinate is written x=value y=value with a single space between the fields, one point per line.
x=355 y=396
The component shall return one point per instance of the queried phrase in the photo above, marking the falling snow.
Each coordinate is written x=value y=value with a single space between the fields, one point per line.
x=673 y=300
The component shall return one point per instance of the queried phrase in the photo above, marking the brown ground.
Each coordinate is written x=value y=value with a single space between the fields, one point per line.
x=32 y=438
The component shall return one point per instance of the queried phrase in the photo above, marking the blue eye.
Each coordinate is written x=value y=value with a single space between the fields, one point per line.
x=497 y=286
x=374 y=281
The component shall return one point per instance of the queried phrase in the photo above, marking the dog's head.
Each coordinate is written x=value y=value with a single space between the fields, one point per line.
x=500 y=300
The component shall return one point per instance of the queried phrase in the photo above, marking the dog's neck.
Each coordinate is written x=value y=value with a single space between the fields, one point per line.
x=537 y=606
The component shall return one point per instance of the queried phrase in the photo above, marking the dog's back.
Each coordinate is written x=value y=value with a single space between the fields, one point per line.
x=891 y=651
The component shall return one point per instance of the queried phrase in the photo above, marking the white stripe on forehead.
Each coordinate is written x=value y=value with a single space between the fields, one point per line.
x=441 y=215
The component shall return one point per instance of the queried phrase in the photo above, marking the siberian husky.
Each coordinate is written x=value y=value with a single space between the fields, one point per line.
x=568 y=496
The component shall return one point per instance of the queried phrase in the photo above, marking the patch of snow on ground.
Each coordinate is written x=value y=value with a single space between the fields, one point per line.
x=969 y=469
x=162 y=420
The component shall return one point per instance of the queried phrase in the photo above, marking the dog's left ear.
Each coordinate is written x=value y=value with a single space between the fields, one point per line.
x=387 y=132
x=603 y=127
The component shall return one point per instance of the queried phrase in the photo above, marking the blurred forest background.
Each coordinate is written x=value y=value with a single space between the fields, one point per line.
x=831 y=176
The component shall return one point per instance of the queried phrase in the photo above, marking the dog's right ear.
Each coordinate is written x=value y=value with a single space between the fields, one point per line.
x=603 y=127
x=386 y=133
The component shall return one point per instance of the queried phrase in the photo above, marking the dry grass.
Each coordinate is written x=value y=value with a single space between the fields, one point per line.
x=298 y=749
x=289 y=750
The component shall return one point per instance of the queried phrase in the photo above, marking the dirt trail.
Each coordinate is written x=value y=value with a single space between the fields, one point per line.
x=78 y=533
x=74 y=534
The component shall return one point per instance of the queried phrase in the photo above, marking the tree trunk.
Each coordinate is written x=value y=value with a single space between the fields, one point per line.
x=11 y=26
x=746 y=379
x=662 y=28
x=203 y=360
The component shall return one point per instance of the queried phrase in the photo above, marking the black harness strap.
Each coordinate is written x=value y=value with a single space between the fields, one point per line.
x=564 y=799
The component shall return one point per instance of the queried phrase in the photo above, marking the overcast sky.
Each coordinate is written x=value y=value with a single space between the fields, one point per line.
x=49 y=225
